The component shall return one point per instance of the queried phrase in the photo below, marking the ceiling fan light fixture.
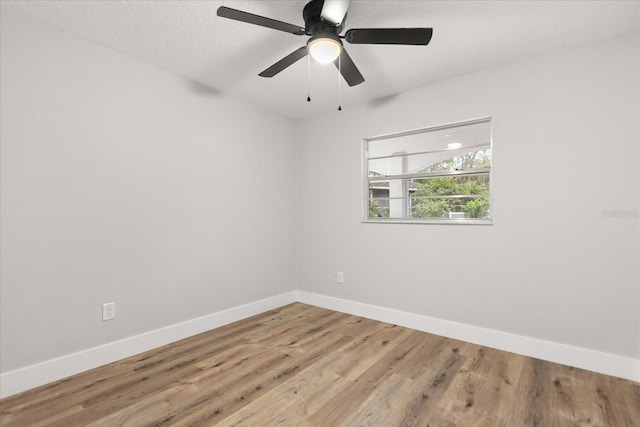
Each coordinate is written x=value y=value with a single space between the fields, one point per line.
x=323 y=22
x=324 y=49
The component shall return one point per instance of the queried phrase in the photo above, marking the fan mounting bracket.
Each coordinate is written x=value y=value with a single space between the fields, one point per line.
x=313 y=22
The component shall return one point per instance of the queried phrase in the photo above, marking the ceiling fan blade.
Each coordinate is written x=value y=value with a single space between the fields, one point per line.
x=288 y=60
x=334 y=11
x=348 y=69
x=407 y=36
x=238 y=15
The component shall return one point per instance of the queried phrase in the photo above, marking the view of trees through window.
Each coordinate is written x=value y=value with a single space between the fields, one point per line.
x=437 y=180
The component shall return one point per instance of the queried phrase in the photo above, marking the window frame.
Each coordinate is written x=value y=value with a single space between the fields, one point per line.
x=410 y=220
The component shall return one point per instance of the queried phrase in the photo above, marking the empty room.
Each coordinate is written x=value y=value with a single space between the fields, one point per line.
x=320 y=213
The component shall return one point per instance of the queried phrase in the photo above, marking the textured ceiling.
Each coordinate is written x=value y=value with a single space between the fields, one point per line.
x=187 y=38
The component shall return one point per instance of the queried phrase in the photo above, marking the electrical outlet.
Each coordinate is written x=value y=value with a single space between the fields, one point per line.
x=109 y=311
x=340 y=277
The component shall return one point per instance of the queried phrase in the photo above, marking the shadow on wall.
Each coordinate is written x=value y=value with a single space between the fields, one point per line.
x=382 y=101
x=200 y=89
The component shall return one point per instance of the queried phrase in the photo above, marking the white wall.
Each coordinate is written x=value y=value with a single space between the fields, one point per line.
x=122 y=182
x=553 y=266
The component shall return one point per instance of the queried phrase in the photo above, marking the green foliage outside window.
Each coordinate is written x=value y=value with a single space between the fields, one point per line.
x=476 y=208
x=473 y=207
x=474 y=185
x=430 y=208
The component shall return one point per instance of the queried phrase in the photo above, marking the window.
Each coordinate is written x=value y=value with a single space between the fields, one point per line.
x=435 y=175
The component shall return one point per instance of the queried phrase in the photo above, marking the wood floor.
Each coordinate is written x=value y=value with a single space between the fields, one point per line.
x=306 y=366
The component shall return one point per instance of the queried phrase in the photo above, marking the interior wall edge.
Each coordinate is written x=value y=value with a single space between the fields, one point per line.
x=29 y=377
x=578 y=357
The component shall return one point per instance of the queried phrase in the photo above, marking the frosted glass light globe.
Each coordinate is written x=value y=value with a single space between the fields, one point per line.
x=324 y=50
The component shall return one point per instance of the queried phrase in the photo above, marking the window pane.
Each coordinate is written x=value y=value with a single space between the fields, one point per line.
x=450 y=197
x=450 y=185
x=379 y=208
x=463 y=160
x=390 y=195
x=379 y=190
x=379 y=199
x=450 y=207
x=455 y=137
x=431 y=162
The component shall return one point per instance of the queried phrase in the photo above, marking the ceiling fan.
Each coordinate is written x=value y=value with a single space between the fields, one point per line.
x=324 y=21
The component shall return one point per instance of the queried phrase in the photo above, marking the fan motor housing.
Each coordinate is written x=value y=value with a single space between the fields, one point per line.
x=313 y=22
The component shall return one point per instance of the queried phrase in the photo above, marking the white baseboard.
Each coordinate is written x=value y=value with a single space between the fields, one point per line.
x=51 y=370
x=605 y=363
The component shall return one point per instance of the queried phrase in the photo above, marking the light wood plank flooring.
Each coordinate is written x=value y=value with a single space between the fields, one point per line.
x=305 y=366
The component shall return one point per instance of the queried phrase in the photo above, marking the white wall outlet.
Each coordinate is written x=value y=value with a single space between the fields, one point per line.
x=109 y=311
x=340 y=277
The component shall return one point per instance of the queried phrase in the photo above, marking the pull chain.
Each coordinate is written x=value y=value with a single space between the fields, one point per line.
x=339 y=80
x=308 y=78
